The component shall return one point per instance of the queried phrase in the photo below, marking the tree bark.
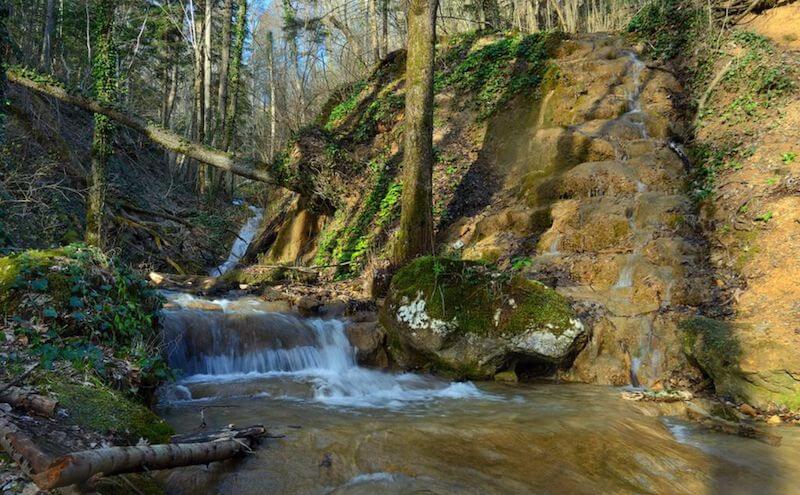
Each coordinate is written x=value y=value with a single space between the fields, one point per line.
x=163 y=137
x=5 y=54
x=198 y=116
x=273 y=106
x=208 y=110
x=25 y=399
x=76 y=468
x=235 y=74
x=373 y=30
x=46 y=56
x=385 y=28
x=415 y=235
x=104 y=75
x=224 y=64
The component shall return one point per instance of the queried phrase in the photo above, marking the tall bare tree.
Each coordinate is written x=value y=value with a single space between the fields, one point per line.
x=46 y=56
x=415 y=235
x=224 y=63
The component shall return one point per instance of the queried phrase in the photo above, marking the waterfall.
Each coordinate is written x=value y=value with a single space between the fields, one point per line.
x=221 y=343
x=242 y=242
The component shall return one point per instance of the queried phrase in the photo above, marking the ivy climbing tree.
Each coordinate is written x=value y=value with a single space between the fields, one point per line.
x=105 y=88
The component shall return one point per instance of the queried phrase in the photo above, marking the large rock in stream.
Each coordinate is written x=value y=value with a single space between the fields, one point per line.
x=463 y=319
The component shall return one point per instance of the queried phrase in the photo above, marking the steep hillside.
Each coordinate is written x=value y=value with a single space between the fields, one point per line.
x=155 y=221
x=567 y=160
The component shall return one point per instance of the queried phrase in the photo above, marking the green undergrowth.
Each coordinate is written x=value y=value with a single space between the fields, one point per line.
x=67 y=303
x=496 y=72
x=480 y=299
x=94 y=406
x=670 y=27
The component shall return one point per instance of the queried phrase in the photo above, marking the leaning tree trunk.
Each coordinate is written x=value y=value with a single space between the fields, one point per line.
x=415 y=236
x=250 y=169
x=103 y=72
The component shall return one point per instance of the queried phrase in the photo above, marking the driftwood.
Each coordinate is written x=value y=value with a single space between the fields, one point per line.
x=78 y=468
x=741 y=429
x=23 y=398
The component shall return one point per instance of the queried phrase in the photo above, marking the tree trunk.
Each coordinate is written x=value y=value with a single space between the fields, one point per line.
x=273 y=106
x=415 y=235
x=373 y=30
x=235 y=74
x=224 y=63
x=385 y=27
x=104 y=74
x=250 y=169
x=171 y=91
x=46 y=56
x=208 y=109
x=5 y=55
x=198 y=116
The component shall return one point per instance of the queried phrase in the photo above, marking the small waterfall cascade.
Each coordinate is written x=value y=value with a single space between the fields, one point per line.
x=242 y=242
x=635 y=115
x=228 y=341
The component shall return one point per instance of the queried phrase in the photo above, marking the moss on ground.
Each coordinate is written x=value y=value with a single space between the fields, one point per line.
x=103 y=410
x=472 y=292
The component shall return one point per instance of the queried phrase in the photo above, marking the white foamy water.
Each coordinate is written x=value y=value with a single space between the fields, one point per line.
x=227 y=347
x=243 y=240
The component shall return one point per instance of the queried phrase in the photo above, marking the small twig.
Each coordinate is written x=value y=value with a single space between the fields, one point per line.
x=19 y=378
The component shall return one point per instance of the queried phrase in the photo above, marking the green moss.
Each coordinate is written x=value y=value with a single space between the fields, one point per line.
x=496 y=72
x=471 y=293
x=103 y=410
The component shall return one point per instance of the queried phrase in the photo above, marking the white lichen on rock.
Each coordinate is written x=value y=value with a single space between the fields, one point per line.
x=546 y=343
x=414 y=315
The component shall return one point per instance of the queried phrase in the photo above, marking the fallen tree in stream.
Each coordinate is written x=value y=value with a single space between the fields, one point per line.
x=84 y=467
x=251 y=169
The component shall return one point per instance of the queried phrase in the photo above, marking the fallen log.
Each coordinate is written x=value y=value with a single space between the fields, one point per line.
x=250 y=169
x=24 y=398
x=76 y=468
x=20 y=447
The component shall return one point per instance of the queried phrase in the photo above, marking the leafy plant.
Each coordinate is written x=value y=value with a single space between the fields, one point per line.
x=788 y=157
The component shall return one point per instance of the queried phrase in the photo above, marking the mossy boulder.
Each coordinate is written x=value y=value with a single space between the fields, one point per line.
x=467 y=320
x=744 y=369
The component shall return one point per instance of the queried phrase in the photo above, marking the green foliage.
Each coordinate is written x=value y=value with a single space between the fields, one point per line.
x=67 y=301
x=788 y=157
x=757 y=77
x=668 y=26
x=346 y=107
x=498 y=71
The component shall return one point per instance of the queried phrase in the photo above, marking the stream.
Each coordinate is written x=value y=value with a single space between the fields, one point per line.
x=350 y=430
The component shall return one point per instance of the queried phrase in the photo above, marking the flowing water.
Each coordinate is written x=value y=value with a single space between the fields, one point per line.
x=243 y=240
x=349 y=430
